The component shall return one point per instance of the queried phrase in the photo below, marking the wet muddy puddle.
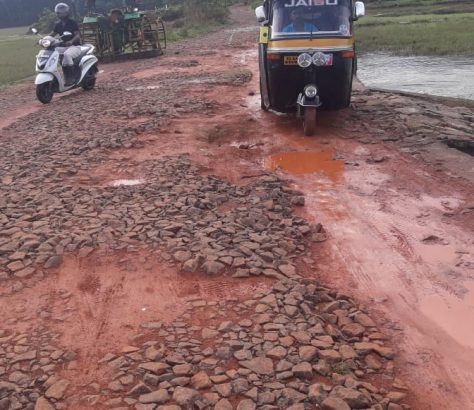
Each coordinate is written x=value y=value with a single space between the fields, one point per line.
x=306 y=162
x=126 y=182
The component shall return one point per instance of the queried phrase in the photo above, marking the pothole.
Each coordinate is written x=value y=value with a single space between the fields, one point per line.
x=461 y=145
x=306 y=162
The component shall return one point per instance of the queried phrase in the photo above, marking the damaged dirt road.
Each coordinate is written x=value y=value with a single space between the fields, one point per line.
x=165 y=244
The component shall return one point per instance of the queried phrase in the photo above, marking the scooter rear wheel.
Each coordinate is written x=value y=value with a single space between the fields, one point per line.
x=45 y=92
x=88 y=84
x=309 y=121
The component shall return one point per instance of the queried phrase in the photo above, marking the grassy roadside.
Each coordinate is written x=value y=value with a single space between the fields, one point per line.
x=417 y=27
x=427 y=34
x=18 y=53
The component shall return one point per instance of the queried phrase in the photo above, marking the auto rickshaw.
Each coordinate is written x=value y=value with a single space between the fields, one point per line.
x=307 y=56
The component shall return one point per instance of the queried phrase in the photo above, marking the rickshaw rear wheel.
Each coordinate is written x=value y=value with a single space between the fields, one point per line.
x=309 y=121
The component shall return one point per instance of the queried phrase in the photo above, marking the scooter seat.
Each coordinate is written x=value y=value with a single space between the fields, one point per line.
x=84 y=50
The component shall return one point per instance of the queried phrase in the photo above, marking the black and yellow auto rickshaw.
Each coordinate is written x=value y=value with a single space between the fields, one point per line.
x=307 y=55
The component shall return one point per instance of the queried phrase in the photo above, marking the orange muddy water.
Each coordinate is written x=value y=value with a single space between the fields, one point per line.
x=298 y=162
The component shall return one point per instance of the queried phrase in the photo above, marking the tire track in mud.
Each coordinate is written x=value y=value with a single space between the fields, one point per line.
x=398 y=281
x=94 y=303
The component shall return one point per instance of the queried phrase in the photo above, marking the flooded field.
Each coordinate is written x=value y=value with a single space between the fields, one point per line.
x=443 y=76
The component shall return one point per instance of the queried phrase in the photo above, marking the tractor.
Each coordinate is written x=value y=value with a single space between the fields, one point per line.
x=124 y=33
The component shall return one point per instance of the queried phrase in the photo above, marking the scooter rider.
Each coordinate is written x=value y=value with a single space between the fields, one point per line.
x=71 y=49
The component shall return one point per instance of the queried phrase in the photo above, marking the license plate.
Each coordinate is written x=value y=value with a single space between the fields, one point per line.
x=290 y=60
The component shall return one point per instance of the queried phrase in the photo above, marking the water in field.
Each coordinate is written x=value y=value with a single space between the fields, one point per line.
x=444 y=76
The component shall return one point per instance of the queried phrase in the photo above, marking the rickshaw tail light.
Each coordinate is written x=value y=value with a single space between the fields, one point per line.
x=273 y=56
x=348 y=54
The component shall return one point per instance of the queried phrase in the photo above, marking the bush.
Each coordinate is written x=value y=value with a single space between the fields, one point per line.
x=46 y=21
x=172 y=13
x=206 y=11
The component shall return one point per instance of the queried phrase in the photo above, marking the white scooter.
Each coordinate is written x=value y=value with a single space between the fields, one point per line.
x=50 y=79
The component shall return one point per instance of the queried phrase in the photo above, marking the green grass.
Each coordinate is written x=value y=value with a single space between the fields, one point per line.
x=188 y=31
x=409 y=7
x=430 y=34
x=18 y=53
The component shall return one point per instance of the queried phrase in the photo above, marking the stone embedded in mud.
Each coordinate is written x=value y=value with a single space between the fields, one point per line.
x=160 y=397
x=53 y=262
x=7 y=387
x=209 y=333
x=364 y=320
x=331 y=356
x=185 y=396
x=334 y=403
x=292 y=395
x=213 y=267
x=139 y=388
x=307 y=353
x=277 y=353
x=347 y=352
x=373 y=362
x=354 y=398
x=43 y=404
x=303 y=370
x=259 y=365
x=396 y=396
x=223 y=404
x=239 y=385
x=366 y=347
x=318 y=392
x=30 y=355
x=201 y=381
x=182 y=256
x=182 y=370
x=353 y=330
x=224 y=389
x=298 y=201
x=246 y=404
x=57 y=390
x=155 y=367
x=287 y=270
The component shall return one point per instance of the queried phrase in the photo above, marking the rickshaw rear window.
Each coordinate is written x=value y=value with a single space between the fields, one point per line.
x=296 y=17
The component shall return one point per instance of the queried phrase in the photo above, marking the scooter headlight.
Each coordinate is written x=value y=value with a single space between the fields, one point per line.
x=304 y=60
x=310 y=91
x=319 y=59
x=45 y=43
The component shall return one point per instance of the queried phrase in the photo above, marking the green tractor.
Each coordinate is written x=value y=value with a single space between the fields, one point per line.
x=124 y=33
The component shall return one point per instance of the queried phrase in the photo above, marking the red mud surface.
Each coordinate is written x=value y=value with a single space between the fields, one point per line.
x=399 y=226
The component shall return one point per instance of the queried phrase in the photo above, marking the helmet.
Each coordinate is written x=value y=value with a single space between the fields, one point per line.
x=62 y=10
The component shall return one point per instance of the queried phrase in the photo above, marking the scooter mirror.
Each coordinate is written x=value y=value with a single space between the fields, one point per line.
x=34 y=31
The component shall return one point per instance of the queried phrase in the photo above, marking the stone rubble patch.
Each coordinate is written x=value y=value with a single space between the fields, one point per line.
x=265 y=361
